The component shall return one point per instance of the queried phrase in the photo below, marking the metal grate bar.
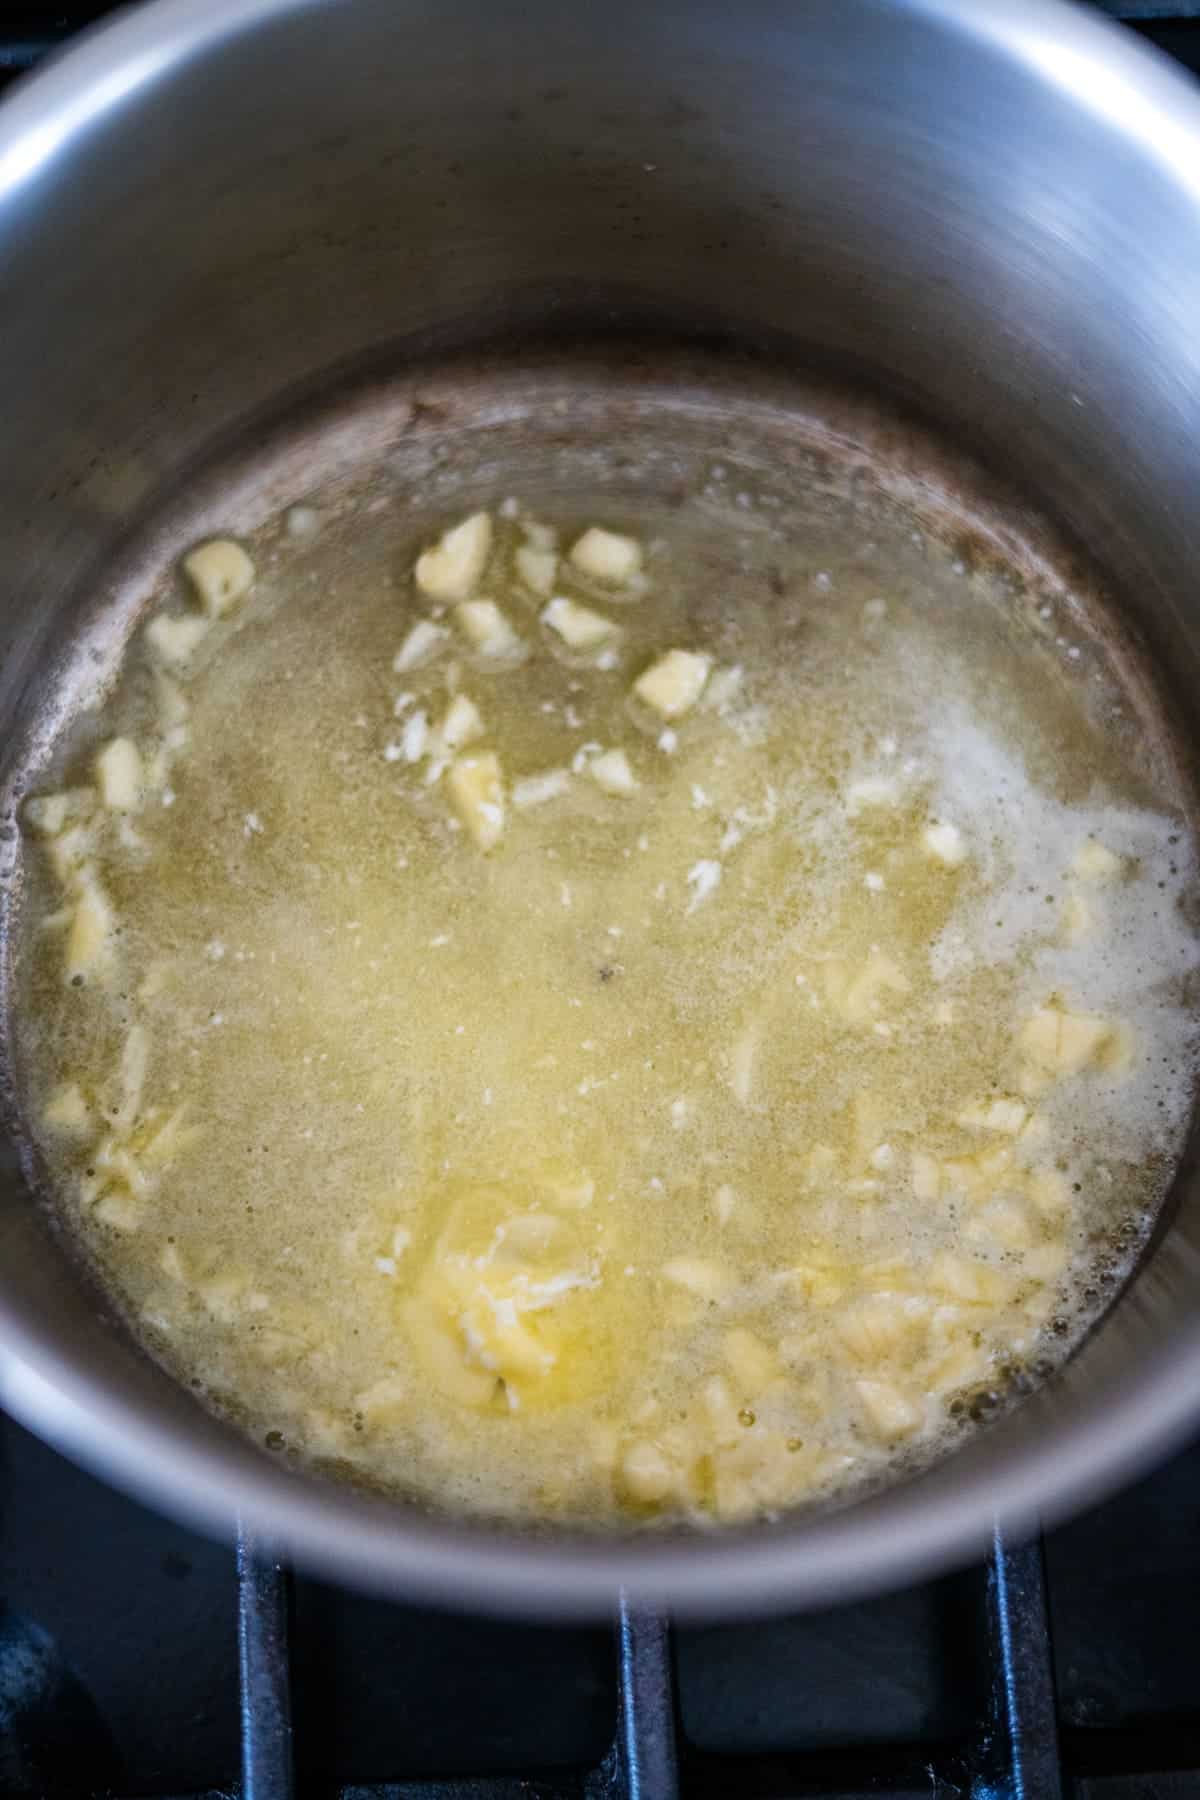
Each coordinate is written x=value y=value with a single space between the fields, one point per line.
x=647 y=1763
x=1017 y=1760
x=264 y=1667
x=1021 y=1760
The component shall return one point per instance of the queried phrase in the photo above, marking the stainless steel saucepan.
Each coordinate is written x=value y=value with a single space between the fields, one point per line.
x=991 y=211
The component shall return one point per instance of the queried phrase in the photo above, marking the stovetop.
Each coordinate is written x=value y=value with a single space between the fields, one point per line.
x=119 y=1671
x=139 y=1659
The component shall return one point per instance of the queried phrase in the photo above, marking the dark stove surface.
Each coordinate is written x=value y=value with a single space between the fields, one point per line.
x=119 y=1666
x=119 y=1669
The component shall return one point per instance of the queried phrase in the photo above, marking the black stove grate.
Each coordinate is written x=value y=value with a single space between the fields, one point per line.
x=1012 y=1754
x=1038 y=1724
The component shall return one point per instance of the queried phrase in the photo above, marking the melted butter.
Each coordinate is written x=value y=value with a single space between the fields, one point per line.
x=689 y=1152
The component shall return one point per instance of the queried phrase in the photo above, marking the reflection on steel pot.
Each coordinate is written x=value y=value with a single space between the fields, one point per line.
x=992 y=214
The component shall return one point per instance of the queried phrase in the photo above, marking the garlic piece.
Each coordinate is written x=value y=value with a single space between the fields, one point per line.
x=820 y=1163
x=1035 y=1133
x=482 y=622
x=823 y=1287
x=1002 y=1222
x=69 y=850
x=50 y=814
x=171 y=1263
x=964 y=1365
x=578 y=626
x=175 y=639
x=612 y=772
x=221 y=573
x=1095 y=862
x=672 y=685
x=462 y=724
x=67 y=1111
x=607 y=555
x=441 y=1356
x=222 y=1297
x=856 y=993
x=1003 y=1115
x=1050 y=1192
x=113 y=1157
x=118 y=1210
x=753 y=1364
x=119 y=775
x=162 y=1144
x=173 y=708
x=970 y=1174
x=536 y=790
x=723 y=688
x=890 y=1413
x=870 y=791
x=1063 y=1042
x=1078 y=918
x=944 y=843
x=477 y=791
x=537 y=568
x=425 y=641
x=742 y=1060
x=384 y=1398
x=1116 y=1055
x=926 y=1176
x=975 y=1283
x=539 y=536
x=1046 y=1262
x=451 y=569
x=414 y=739
x=645 y=1474
x=704 y=878
x=705 y=1279
x=885 y=1327
x=135 y=1060
x=89 y=938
